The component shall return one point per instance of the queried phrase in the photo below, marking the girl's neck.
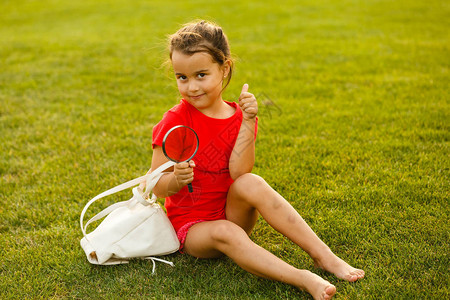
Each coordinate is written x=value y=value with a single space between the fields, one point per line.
x=220 y=110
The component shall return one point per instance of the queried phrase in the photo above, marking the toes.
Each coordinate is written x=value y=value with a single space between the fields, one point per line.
x=359 y=273
x=329 y=292
x=355 y=275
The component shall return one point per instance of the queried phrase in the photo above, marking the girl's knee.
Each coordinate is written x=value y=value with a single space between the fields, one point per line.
x=226 y=232
x=248 y=184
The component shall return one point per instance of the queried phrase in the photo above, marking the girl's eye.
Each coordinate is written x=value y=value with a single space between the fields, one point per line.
x=182 y=77
x=201 y=75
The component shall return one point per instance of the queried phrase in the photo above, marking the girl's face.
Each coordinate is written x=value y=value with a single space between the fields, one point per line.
x=199 y=78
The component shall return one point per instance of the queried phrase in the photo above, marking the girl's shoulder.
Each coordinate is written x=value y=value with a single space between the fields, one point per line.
x=178 y=114
x=180 y=107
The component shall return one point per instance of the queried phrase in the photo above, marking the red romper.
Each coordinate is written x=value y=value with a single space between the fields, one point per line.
x=212 y=179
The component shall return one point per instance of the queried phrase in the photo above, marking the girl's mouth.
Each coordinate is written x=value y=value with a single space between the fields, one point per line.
x=196 y=97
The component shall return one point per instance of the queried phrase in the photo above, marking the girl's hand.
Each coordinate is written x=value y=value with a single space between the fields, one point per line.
x=248 y=104
x=184 y=173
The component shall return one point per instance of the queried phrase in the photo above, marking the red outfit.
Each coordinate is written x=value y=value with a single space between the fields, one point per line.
x=212 y=179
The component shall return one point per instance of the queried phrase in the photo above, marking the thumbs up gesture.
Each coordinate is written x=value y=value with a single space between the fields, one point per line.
x=248 y=104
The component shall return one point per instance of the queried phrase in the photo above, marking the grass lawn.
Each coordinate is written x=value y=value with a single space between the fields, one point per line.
x=354 y=132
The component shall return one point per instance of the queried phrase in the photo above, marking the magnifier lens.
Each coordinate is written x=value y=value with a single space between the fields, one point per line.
x=180 y=144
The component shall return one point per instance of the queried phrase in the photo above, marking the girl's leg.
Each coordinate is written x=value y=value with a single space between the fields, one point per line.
x=211 y=239
x=250 y=194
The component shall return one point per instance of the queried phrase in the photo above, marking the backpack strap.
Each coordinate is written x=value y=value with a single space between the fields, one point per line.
x=152 y=258
x=151 y=178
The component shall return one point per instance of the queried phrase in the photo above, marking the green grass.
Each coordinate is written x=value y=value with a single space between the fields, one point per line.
x=356 y=138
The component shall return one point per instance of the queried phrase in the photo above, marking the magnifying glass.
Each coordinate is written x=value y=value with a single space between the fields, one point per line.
x=180 y=144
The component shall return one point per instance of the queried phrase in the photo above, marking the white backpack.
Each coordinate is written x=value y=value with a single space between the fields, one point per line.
x=137 y=228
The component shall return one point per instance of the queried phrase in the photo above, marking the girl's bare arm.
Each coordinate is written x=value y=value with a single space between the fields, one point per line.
x=242 y=158
x=175 y=179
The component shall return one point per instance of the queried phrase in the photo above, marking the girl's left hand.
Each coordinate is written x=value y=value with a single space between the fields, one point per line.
x=248 y=104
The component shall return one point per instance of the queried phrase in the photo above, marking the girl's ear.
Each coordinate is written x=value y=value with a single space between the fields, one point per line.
x=226 y=68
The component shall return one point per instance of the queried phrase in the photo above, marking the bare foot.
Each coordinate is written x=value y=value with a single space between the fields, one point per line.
x=333 y=264
x=318 y=287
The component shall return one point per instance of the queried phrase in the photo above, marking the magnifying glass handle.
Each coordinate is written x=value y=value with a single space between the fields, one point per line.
x=190 y=188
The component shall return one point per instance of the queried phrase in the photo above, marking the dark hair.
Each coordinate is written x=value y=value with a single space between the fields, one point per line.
x=202 y=36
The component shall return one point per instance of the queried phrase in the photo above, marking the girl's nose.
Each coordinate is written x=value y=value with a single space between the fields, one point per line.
x=193 y=86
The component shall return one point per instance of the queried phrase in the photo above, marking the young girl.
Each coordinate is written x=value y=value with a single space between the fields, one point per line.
x=218 y=216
